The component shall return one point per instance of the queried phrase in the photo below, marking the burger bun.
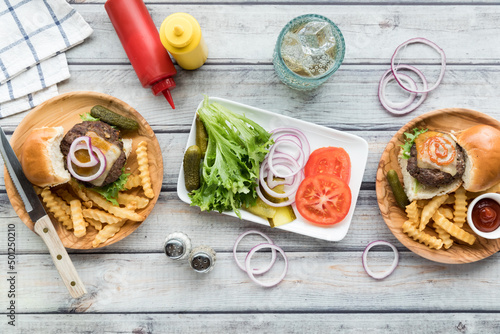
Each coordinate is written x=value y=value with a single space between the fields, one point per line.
x=42 y=160
x=481 y=144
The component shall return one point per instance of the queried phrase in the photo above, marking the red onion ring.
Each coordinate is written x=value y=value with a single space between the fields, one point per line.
x=272 y=153
x=290 y=200
x=255 y=270
x=251 y=274
x=102 y=167
x=300 y=134
x=384 y=81
x=387 y=77
x=388 y=271
x=283 y=164
x=80 y=143
x=428 y=43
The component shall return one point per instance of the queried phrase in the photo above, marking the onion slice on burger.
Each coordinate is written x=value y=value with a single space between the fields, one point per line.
x=83 y=143
x=101 y=160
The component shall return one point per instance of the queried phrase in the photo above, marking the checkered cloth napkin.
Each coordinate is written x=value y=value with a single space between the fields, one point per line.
x=33 y=36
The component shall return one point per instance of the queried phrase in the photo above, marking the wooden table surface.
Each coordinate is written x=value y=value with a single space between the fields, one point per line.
x=134 y=288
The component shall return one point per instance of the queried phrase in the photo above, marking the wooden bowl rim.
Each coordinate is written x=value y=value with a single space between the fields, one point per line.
x=10 y=188
x=450 y=256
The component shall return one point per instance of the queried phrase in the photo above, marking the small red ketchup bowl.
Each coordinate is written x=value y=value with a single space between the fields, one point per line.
x=483 y=215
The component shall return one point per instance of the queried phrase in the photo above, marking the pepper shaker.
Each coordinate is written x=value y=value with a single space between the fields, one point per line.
x=202 y=259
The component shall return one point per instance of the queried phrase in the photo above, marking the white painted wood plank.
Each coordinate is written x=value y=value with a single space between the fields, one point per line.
x=315 y=282
x=284 y=2
x=376 y=323
x=348 y=101
x=247 y=33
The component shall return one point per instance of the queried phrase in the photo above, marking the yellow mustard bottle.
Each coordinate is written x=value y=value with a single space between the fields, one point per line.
x=180 y=34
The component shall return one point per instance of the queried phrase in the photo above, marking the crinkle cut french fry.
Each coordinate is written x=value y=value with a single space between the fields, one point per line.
x=101 y=216
x=114 y=210
x=132 y=205
x=143 y=162
x=133 y=181
x=413 y=212
x=107 y=232
x=453 y=229
x=38 y=190
x=65 y=195
x=447 y=212
x=53 y=205
x=79 y=191
x=422 y=237
x=95 y=223
x=443 y=235
x=124 y=198
x=79 y=229
x=429 y=210
x=460 y=214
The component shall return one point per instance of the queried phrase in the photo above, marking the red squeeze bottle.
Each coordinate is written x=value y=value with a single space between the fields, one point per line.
x=140 y=39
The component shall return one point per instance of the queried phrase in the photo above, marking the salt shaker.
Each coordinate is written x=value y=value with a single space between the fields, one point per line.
x=177 y=246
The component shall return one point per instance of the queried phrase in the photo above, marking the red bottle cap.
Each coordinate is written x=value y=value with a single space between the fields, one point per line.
x=163 y=87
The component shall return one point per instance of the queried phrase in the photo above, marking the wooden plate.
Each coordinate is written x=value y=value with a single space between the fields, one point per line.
x=64 y=110
x=444 y=120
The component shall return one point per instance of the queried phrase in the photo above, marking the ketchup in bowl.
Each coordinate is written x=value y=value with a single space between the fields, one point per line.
x=486 y=215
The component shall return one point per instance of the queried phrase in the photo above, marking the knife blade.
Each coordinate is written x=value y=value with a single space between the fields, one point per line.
x=43 y=225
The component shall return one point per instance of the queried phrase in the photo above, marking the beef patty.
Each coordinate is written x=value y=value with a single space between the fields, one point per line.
x=106 y=132
x=434 y=177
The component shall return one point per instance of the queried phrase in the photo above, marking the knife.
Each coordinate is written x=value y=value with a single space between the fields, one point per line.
x=43 y=224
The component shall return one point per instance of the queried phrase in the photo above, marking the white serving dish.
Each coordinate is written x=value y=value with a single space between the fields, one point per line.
x=318 y=136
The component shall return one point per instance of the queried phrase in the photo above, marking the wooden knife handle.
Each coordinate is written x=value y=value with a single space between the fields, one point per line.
x=64 y=266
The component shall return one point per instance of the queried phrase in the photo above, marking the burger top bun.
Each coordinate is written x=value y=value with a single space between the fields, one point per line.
x=481 y=144
x=42 y=160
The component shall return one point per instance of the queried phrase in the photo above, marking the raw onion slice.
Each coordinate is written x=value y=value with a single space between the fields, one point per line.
x=83 y=143
x=388 y=77
x=428 y=43
x=251 y=274
x=102 y=167
x=290 y=200
x=384 y=81
x=302 y=137
x=286 y=160
x=255 y=270
x=391 y=268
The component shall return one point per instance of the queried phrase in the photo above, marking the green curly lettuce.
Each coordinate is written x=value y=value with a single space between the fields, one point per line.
x=110 y=191
x=410 y=140
x=236 y=147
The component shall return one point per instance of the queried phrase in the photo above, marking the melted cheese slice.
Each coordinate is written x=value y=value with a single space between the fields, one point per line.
x=111 y=152
x=436 y=150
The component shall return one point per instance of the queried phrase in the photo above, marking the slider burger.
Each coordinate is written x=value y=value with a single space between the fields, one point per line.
x=91 y=152
x=439 y=163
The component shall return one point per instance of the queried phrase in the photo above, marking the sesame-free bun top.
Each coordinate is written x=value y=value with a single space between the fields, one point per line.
x=481 y=144
x=42 y=160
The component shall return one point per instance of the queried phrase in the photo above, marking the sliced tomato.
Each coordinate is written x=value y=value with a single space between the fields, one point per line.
x=323 y=199
x=329 y=160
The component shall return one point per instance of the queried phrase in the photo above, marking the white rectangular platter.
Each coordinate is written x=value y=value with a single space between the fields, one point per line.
x=318 y=136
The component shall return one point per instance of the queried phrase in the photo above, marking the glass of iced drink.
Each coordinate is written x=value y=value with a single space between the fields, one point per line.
x=310 y=48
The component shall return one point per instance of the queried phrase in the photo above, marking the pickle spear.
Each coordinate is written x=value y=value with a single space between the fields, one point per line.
x=112 y=118
x=397 y=189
